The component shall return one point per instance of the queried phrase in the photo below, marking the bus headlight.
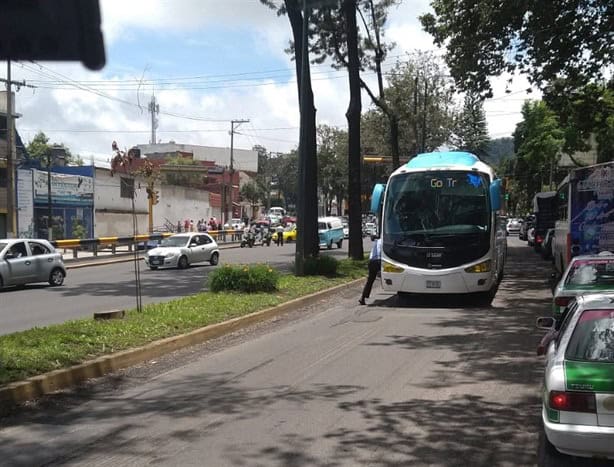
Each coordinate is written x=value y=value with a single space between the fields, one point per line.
x=389 y=267
x=484 y=266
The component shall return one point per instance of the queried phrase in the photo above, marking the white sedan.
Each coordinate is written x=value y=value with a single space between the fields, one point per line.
x=181 y=250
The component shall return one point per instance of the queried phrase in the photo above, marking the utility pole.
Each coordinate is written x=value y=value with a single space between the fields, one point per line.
x=426 y=85
x=232 y=134
x=11 y=210
x=154 y=110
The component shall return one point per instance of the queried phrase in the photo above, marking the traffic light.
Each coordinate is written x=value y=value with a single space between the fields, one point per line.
x=156 y=197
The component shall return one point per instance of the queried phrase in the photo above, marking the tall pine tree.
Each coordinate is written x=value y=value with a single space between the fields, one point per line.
x=471 y=131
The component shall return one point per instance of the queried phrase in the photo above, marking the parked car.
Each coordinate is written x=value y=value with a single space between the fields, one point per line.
x=330 y=230
x=513 y=226
x=578 y=400
x=531 y=236
x=289 y=234
x=26 y=261
x=525 y=227
x=181 y=250
x=584 y=274
x=546 y=249
x=234 y=224
x=370 y=230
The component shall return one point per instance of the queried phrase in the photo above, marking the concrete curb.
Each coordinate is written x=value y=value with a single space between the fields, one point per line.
x=37 y=386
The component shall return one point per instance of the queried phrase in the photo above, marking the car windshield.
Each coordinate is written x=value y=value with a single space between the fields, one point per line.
x=175 y=241
x=593 y=273
x=593 y=338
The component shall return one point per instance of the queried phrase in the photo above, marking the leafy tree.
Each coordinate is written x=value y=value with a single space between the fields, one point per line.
x=183 y=178
x=538 y=140
x=252 y=192
x=545 y=39
x=583 y=113
x=421 y=93
x=471 y=131
x=39 y=149
x=500 y=149
x=332 y=165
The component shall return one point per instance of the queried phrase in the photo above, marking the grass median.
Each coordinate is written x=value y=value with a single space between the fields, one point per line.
x=39 y=350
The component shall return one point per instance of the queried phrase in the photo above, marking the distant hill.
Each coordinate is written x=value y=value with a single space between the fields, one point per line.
x=499 y=149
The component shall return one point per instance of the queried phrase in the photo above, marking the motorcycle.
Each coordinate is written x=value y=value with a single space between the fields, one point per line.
x=248 y=239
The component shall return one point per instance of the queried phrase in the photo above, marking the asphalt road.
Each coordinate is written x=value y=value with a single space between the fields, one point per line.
x=426 y=382
x=103 y=288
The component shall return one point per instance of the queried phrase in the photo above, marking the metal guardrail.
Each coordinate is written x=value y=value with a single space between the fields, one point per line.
x=96 y=244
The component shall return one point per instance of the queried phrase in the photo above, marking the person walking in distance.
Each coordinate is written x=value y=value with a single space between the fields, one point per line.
x=375 y=262
x=280 y=235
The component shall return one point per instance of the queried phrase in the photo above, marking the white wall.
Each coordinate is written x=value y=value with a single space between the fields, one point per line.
x=112 y=213
x=179 y=203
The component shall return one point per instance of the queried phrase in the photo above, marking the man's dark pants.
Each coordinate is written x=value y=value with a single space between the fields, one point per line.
x=374 y=268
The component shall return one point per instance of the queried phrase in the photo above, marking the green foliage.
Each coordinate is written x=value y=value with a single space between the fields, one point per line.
x=471 y=130
x=586 y=116
x=434 y=94
x=184 y=178
x=252 y=192
x=39 y=149
x=78 y=230
x=244 y=278
x=323 y=265
x=500 y=149
x=332 y=164
x=538 y=140
x=545 y=39
x=43 y=349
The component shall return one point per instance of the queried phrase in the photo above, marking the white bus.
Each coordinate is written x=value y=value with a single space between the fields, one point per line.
x=439 y=226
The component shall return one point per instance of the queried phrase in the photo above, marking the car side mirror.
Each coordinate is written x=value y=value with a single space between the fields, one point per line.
x=545 y=323
x=193 y=244
x=10 y=256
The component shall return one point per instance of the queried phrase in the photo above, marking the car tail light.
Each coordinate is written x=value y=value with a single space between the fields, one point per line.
x=562 y=301
x=539 y=239
x=573 y=401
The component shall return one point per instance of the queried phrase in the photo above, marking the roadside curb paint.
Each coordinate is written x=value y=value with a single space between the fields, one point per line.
x=37 y=386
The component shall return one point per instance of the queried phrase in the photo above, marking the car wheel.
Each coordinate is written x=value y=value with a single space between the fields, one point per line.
x=339 y=243
x=1 y=283
x=330 y=245
x=182 y=263
x=484 y=299
x=215 y=257
x=56 y=278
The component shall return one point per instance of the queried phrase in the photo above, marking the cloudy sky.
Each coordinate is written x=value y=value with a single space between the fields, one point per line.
x=207 y=62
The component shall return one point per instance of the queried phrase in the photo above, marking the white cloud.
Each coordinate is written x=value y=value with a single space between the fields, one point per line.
x=68 y=115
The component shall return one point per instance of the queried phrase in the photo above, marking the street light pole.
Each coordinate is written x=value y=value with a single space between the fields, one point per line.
x=49 y=206
x=232 y=134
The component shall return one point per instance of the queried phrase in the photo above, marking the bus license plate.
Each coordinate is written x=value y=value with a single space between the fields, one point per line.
x=433 y=284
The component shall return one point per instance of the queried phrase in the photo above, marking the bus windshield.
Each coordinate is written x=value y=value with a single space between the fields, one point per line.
x=442 y=203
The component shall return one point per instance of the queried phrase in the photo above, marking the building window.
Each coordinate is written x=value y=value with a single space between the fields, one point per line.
x=126 y=187
x=3 y=177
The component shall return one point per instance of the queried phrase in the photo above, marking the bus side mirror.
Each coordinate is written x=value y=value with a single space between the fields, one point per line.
x=377 y=198
x=495 y=195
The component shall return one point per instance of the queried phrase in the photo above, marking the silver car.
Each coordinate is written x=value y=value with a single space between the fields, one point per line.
x=578 y=394
x=181 y=250
x=24 y=261
x=584 y=275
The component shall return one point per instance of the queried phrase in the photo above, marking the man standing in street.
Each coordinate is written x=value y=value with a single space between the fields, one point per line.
x=280 y=235
x=375 y=262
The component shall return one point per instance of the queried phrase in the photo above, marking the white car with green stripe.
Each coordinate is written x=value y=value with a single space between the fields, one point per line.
x=578 y=395
x=584 y=274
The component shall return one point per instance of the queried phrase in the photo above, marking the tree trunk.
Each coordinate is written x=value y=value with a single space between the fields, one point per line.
x=307 y=197
x=353 y=118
